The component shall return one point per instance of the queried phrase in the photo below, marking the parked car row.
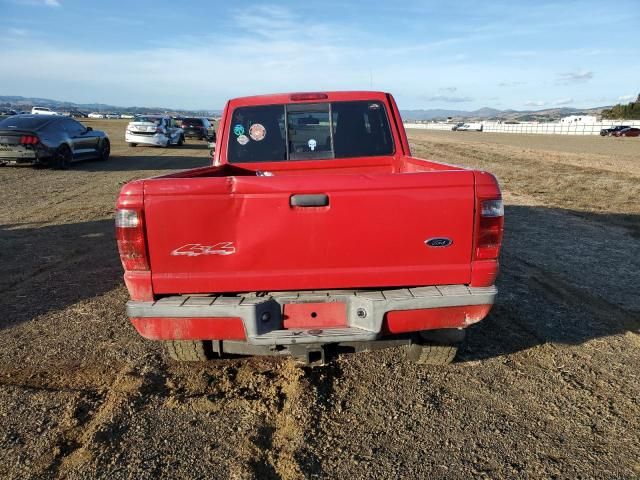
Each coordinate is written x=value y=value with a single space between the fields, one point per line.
x=110 y=115
x=55 y=140
x=163 y=130
x=610 y=131
x=620 y=131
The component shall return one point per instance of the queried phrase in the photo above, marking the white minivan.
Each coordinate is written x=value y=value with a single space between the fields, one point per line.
x=43 y=111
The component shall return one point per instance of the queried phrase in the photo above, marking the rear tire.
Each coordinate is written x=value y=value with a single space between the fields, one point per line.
x=437 y=347
x=181 y=141
x=105 y=151
x=187 y=350
x=431 y=353
x=131 y=144
x=62 y=158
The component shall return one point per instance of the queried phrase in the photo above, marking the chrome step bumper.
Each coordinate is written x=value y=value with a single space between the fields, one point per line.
x=261 y=313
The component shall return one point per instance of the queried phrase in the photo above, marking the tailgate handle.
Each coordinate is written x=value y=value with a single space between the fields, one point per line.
x=311 y=200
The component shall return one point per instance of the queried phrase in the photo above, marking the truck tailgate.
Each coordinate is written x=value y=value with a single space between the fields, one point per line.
x=242 y=233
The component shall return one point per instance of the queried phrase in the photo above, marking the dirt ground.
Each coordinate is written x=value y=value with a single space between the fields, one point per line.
x=548 y=386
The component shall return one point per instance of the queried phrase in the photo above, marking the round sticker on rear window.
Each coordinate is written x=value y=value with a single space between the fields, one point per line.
x=243 y=139
x=257 y=132
x=238 y=129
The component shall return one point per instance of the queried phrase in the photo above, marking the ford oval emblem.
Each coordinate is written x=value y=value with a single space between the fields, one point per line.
x=438 y=242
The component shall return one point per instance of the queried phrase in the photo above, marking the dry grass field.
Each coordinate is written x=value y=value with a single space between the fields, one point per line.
x=547 y=386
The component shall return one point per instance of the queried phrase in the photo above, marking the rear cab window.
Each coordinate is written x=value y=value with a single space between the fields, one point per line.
x=309 y=131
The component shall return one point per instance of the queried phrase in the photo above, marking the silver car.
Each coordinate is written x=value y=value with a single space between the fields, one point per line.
x=157 y=130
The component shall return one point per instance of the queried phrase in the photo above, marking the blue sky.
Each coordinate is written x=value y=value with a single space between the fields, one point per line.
x=195 y=54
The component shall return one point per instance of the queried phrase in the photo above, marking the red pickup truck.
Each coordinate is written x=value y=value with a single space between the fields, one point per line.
x=314 y=231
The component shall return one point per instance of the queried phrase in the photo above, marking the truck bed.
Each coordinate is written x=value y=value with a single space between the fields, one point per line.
x=259 y=227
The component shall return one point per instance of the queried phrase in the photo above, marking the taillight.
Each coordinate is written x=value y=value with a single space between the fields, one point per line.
x=308 y=96
x=29 y=140
x=132 y=243
x=490 y=228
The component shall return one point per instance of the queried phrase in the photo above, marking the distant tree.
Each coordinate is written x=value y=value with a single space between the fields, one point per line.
x=630 y=111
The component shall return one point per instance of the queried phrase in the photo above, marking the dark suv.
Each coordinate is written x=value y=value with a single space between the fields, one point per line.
x=199 y=128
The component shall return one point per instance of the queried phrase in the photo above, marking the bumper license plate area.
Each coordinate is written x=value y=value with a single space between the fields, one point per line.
x=314 y=315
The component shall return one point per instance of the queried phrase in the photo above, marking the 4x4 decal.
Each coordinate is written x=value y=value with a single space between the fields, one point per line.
x=197 y=249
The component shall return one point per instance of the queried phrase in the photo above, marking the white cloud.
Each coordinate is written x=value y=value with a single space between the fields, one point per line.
x=626 y=98
x=17 y=32
x=272 y=51
x=535 y=103
x=511 y=84
x=545 y=103
x=38 y=3
x=448 y=99
x=569 y=78
x=589 y=52
x=521 y=54
x=265 y=49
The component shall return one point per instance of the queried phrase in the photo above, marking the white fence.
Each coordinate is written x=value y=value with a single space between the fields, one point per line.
x=551 y=128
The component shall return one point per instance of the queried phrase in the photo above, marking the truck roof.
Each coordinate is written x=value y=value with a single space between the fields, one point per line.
x=297 y=97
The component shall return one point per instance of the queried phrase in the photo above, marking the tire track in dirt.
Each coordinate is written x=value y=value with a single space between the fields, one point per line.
x=557 y=289
x=284 y=399
x=97 y=420
x=307 y=393
x=95 y=417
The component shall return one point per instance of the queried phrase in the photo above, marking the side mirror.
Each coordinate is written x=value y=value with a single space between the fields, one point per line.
x=89 y=129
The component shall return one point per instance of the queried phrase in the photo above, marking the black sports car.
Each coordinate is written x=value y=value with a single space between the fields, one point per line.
x=51 y=140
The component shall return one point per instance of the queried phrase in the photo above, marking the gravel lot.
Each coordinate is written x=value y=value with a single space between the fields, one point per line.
x=546 y=387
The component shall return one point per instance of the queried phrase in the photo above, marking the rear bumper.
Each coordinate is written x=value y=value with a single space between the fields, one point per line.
x=159 y=139
x=260 y=320
x=195 y=134
x=23 y=155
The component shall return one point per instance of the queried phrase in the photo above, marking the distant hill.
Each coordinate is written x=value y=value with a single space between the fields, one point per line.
x=487 y=113
x=25 y=103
